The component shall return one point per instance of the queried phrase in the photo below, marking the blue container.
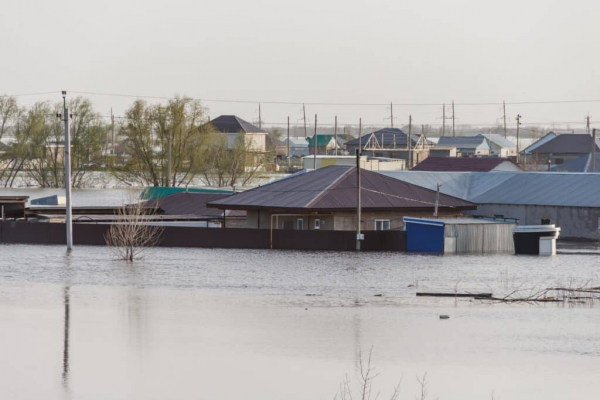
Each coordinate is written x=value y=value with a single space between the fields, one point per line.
x=424 y=236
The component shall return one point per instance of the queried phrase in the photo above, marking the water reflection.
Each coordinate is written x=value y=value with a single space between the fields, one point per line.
x=67 y=325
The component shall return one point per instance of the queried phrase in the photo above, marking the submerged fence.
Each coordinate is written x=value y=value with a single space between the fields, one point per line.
x=24 y=232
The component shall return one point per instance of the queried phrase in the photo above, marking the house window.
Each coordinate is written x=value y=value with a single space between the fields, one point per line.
x=317 y=223
x=382 y=224
x=300 y=224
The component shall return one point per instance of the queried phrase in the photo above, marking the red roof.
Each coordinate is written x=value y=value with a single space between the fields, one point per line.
x=334 y=189
x=459 y=164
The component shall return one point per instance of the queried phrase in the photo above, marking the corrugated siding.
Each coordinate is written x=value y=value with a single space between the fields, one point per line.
x=481 y=238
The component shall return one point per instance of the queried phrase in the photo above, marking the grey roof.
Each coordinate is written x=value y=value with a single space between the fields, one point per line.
x=234 y=124
x=567 y=144
x=334 y=189
x=385 y=137
x=499 y=140
x=544 y=139
x=582 y=163
x=524 y=188
x=463 y=164
x=463 y=142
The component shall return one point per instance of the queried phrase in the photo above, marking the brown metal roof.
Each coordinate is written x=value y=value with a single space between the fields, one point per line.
x=334 y=189
x=191 y=203
x=459 y=164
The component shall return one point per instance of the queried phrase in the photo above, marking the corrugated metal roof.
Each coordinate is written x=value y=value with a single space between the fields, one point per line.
x=459 y=164
x=524 y=188
x=387 y=138
x=499 y=140
x=334 y=188
x=580 y=164
x=567 y=144
x=322 y=140
x=234 y=124
x=190 y=204
x=463 y=142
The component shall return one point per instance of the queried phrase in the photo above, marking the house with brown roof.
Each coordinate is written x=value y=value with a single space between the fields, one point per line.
x=454 y=164
x=326 y=199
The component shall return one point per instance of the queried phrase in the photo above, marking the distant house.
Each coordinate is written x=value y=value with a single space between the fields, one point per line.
x=326 y=199
x=466 y=146
x=233 y=126
x=326 y=144
x=500 y=146
x=557 y=149
x=463 y=164
x=392 y=143
x=298 y=146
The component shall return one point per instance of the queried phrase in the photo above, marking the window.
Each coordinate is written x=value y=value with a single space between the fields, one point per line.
x=317 y=223
x=300 y=224
x=382 y=224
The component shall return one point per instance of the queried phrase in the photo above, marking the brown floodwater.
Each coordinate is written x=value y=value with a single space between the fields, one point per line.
x=231 y=324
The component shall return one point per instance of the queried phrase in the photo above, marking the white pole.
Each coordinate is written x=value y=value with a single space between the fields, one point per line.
x=68 y=210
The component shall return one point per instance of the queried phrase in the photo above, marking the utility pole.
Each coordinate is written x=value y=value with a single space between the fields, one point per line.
x=437 y=200
x=504 y=109
x=304 y=113
x=409 y=142
x=288 y=144
x=453 y=120
x=335 y=135
x=518 y=125
x=169 y=153
x=359 y=236
x=259 y=117
x=68 y=209
x=594 y=150
x=444 y=119
x=587 y=124
x=360 y=134
x=315 y=139
x=392 y=114
x=112 y=129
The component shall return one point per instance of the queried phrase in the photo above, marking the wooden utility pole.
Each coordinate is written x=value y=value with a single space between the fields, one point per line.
x=504 y=109
x=453 y=120
x=304 y=113
x=518 y=125
x=335 y=134
x=359 y=236
x=259 y=117
x=289 y=156
x=587 y=124
x=112 y=130
x=437 y=200
x=360 y=134
x=315 y=139
x=68 y=208
x=444 y=119
x=409 y=142
x=392 y=114
x=594 y=150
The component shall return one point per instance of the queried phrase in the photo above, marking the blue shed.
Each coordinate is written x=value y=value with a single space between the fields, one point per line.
x=458 y=235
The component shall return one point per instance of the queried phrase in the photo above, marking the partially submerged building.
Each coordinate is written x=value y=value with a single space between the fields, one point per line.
x=233 y=126
x=326 y=199
x=569 y=200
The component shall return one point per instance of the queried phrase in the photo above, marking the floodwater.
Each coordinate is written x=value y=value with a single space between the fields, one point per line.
x=255 y=324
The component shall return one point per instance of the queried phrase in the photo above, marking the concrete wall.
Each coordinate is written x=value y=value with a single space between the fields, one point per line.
x=575 y=222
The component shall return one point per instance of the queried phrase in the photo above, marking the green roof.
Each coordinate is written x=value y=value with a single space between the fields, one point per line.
x=322 y=140
x=156 y=192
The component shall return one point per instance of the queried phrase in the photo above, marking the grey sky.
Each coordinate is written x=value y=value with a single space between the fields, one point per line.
x=312 y=51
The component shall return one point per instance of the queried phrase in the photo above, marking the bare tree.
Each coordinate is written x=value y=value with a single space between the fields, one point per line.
x=132 y=234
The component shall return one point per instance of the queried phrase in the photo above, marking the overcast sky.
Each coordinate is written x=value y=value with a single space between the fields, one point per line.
x=313 y=51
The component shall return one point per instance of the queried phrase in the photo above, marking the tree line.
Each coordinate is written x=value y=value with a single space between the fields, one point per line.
x=134 y=149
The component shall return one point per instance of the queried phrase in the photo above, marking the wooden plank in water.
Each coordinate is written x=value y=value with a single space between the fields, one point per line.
x=477 y=295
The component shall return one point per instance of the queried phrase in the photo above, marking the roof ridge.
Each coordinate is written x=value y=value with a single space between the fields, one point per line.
x=329 y=187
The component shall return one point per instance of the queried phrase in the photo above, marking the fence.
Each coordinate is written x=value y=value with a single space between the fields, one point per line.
x=24 y=232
